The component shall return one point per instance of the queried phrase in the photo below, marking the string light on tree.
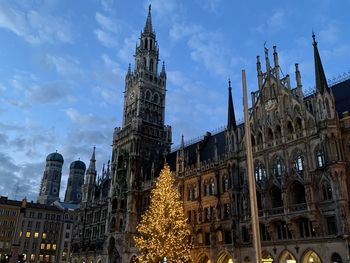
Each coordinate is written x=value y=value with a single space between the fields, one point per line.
x=163 y=231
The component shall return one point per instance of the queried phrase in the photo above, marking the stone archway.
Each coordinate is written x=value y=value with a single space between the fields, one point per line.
x=286 y=257
x=311 y=256
x=204 y=259
x=266 y=257
x=225 y=258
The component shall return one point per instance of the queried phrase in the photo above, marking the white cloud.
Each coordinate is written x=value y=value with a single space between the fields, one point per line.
x=181 y=30
x=67 y=66
x=274 y=22
x=164 y=8
x=211 y=5
x=105 y=38
x=35 y=27
x=330 y=33
x=107 y=23
x=127 y=50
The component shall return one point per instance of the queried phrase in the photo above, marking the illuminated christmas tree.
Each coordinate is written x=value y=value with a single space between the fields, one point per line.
x=163 y=230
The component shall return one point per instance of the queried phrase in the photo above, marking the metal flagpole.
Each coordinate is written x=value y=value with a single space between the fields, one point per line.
x=250 y=173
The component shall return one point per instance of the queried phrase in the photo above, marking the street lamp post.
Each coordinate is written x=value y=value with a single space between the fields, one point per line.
x=250 y=173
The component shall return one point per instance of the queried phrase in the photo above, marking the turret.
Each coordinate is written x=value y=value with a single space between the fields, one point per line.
x=90 y=179
x=321 y=81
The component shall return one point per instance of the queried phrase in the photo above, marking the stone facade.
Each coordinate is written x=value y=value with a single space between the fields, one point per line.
x=89 y=240
x=301 y=157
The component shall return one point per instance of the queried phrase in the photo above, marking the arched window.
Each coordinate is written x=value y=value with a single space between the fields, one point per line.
x=297 y=193
x=195 y=191
x=269 y=134
x=260 y=138
x=148 y=95
x=112 y=226
x=335 y=258
x=144 y=63
x=320 y=158
x=212 y=186
x=114 y=204
x=326 y=190
x=278 y=167
x=155 y=98
x=146 y=43
x=278 y=133
x=151 y=66
x=276 y=197
x=190 y=193
x=259 y=172
x=298 y=124
x=328 y=109
x=225 y=183
x=299 y=164
x=290 y=127
x=206 y=188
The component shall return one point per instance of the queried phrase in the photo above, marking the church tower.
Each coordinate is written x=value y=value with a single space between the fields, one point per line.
x=140 y=145
x=75 y=181
x=51 y=180
x=90 y=180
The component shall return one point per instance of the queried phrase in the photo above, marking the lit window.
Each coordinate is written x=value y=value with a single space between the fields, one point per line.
x=36 y=234
x=41 y=257
x=32 y=257
x=20 y=234
x=278 y=168
x=47 y=258
x=259 y=172
x=299 y=164
x=28 y=234
x=44 y=235
x=320 y=159
x=54 y=246
x=42 y=246
x=48 y=246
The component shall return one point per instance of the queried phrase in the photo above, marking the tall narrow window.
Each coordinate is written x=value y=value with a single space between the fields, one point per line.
x=212 y=187
x=320 y=159
x=278 y=168
x=259 y=172
x=151 y=66
x=299 y=164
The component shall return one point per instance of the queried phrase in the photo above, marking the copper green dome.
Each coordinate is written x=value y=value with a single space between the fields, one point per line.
x=55 y=157
x=78 y=165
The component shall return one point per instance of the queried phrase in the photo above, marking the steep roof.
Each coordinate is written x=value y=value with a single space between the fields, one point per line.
x=341 y=92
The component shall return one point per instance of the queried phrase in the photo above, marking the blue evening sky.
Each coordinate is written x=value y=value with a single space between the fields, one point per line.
x=63 y=65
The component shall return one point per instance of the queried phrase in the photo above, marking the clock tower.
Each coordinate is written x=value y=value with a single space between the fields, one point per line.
x=139 y=146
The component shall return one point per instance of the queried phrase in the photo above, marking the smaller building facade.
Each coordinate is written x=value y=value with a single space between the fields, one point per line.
x=9 y=214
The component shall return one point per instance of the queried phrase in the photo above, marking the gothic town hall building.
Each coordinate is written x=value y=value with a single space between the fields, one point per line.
x=301 y=148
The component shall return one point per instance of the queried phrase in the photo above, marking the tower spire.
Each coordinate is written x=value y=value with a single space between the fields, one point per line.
x=92 y=165
x=148 y=26
x=231 y=119
x=321 y=81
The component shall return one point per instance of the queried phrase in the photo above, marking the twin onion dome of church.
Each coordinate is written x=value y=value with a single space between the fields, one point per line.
x=55 y=157
x=78 y=165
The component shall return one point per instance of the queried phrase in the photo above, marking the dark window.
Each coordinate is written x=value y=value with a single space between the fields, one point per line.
x=207 y=239
x=326 y=191
x=331 y=225
x=228 y=237
x=306 y=229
